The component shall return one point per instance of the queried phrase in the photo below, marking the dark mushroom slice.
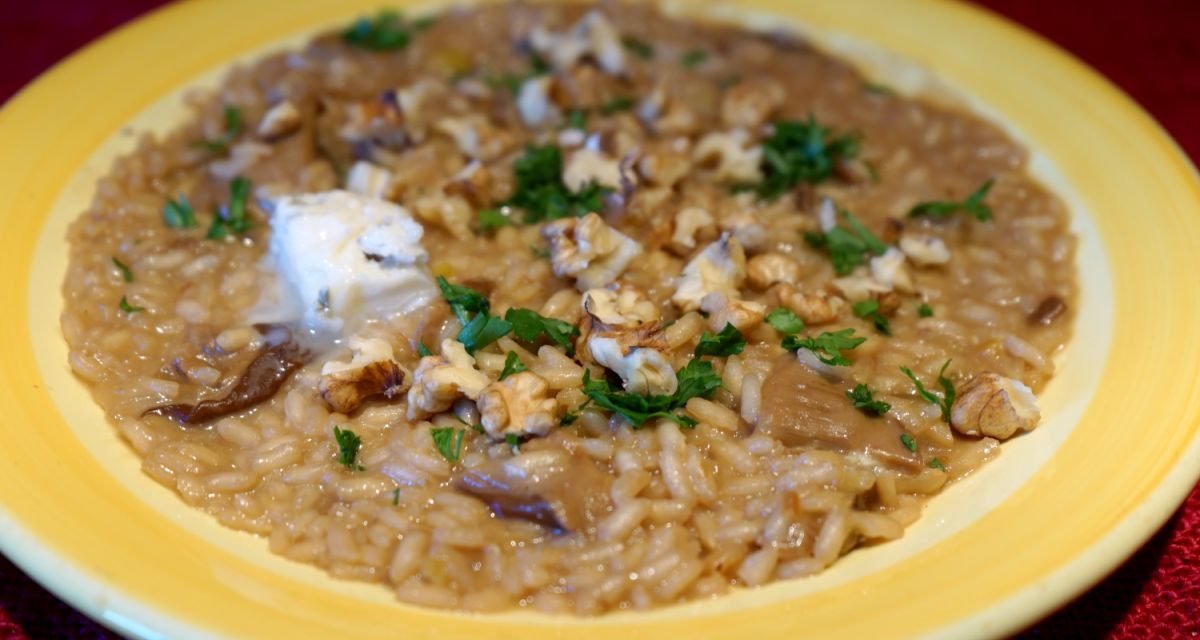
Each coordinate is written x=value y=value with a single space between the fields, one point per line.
x=281 y=357
x=800 y=407
x=561 y=491
x=1048 y=311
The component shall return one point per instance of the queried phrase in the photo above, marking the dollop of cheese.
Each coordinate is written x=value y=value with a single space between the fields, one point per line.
x=349 y=258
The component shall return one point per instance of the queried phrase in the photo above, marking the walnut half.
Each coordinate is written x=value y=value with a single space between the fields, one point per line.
x=520 y=404
x=370 y=372
x=996 y=406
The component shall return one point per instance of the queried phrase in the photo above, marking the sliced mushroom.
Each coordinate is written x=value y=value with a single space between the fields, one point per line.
x=266 y=373
x=561 y=491
x=800 y=407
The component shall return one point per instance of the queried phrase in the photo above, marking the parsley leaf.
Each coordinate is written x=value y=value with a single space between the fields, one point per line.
x=800 y=152
x=492 y=219
x=828 y=346
x=909 y=442
x=785 y=321
x=233 y=218
x=233 y=128
x=528 y=325
x=726 y=343
x=622 y=103
x=128 y=308
x=937 y=464
x=178 y=214
x=126 y=272
x=697 y=379
x=385 y=32
x=348 y=444
x=423 y=350
x=973 y=205
x=464 y=301
x=946 y=401
x=879 y=89
x=449 y=442
x=864 y=399
x=541 y=193
x=512 y=364
x=513 y=440
x=396 y=497
x=638 y=47
x=925 y=311
x=847 y=247
x=869 y=310
x=481 y=331
x=577 y=119
x=693 y=58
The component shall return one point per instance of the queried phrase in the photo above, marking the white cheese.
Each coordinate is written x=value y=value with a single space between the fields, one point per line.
x=349 y=258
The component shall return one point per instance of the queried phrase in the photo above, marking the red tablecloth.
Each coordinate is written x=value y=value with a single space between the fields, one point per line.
x=1150 y=48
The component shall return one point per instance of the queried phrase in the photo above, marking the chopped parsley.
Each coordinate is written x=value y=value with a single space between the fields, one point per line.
x=387 y=31
x=512 y=364
x=481 y=331
x=937 y=464
x=513 y=441
x=464 y=301
x=828 y=346
x=946 y=400
x=577 y=119
x=909 y=442
x=878 y=89
x=541 y=193
x=233 y=128
x=126 y=272
x=480 y=328
x=449 y=442
x=864 y=399
x=492 y=219
x=785 y=321
x=528 y=325
x=973 y=205
x=847 y=246
x=869 y=310
x=348 y=444
x=697 y=379
x=128 y=308
x=693 y=58
x=540 y=252
x=571 y=416
x=513 y=81
x=638 y=47
x=179 y=214
x=622 y=103
x=396 y=497
x=798 y=152
x=232 y=219
x=726 y=343
x=925 y=311
x=423 y=350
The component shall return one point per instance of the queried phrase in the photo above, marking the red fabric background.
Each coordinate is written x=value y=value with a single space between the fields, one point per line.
x=1149 y=48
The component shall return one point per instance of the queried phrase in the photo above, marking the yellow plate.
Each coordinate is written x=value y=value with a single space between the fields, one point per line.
x=1057 y=511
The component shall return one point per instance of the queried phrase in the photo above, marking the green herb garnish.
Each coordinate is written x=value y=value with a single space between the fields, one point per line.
x=128 y=308
x=471 y=308
x=512 y=364
x=528 y=325
x=828 y=346
x=925 y=311
x=449 y=442
x=869 y=310
x=178 y=214
x=232 y=219
x=492 y=219
x=348 y=444
x=847 y=247
x=638 y=47
x=785 y=321
x=396 y=497
x=465 y=302
x=693 y=58
x=909 y=442
x=621 y=103
x=423 y=350
x=937 y=464
x=387 y=31
x=126 y=272
x=481 y=331
x=973 y=205
x=541 y=193
x=513 y=441
x=800 y=152
x=878 y=89
x=697 y=379
x=946 y=400
x=864 y=399
x=233 y=128
x=577 y=119
x=726 y=343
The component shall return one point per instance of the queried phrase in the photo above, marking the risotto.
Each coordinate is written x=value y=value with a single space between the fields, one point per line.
x=569 y=308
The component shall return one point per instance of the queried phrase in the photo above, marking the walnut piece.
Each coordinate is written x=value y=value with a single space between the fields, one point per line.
x=996 y=406
x=691 y=222
x=924 y=249
x=749 y=103
x=519 y=404
x=440 y=380
x=633 y=357
x=625 y=308
x=476 y=137
x=729 y=156
x=535 y=102
x=589 y=250
x=592 y=36
x=771 y=268
x=585 y=167
x=724 y=310
x=370 y=180
x=371 y=371
x=718 y=268
x=665 y=163
x=813 y=307
x=279 y=121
